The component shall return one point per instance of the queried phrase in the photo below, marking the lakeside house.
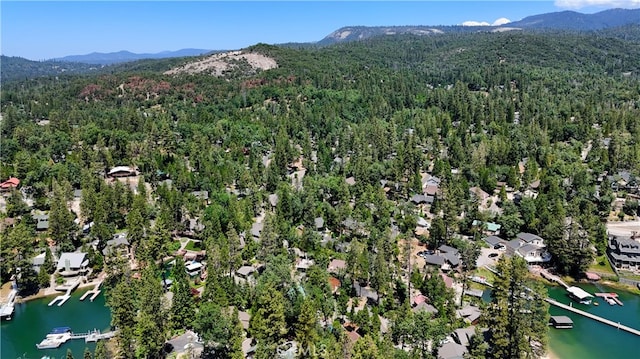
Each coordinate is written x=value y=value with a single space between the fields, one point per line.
x=624 y=252
x=72 y=264
x=530 y=247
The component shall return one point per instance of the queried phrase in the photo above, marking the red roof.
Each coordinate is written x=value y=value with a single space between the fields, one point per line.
x=418 y=299
x=334 y=283
x=592 y=276
x=353 y=336
x=447 y=280
x=10 y=183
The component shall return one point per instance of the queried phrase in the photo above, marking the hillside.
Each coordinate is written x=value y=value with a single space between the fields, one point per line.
x=18 y=68
x=566 y=20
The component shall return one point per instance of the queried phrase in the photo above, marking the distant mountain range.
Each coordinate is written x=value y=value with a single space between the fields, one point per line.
x=564 y=20
x=99 y=58
x=619 y=23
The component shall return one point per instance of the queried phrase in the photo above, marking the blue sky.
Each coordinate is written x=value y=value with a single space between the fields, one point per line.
x=48 y=29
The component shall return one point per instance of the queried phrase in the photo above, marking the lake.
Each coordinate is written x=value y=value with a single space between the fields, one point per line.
x=590 y=339
x=33 y=320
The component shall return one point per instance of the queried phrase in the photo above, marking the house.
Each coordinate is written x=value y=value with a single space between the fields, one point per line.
x=337 y=266
x=122 y=171
x=469 y=313
x=366 y=292
x=42 y=221
x=302 y=264
x=434 y=260
x=530 y=238
x=256 y=229
x=490 y=228
x=624 y=252
x=71 y=264
x=193 y=268
x=318 y=222
x=38 y=261
x=530 y=247
x=480 y=194
x=118 y=245
x=448 y=281
x=447 y=249
x=334 y=284
x=418 y=199
x=462 y=336
x=245 y=271
x=425 y=307
x=493 y=241
x=350 y=181
x=451 y=350
x=244 y=318
x=9 y=184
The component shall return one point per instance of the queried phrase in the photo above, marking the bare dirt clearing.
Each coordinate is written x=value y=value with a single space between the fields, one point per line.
x=218 y=64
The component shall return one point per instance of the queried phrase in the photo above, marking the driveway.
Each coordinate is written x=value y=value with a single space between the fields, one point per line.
x=484 y=259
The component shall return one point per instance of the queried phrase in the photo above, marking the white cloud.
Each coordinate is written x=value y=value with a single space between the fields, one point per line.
x=498 y=22
x=578 y=4
x=501 y=21
x=475 y=23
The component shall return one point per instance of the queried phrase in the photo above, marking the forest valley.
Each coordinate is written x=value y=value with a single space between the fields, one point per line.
x=335 y=206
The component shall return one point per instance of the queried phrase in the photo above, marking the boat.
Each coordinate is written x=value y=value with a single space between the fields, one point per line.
x=55 y=338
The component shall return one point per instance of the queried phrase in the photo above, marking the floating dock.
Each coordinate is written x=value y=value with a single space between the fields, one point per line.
x=59 y=336
x=611 y=298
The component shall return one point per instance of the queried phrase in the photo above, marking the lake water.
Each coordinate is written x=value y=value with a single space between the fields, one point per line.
x=33 y=320
x=590 y=339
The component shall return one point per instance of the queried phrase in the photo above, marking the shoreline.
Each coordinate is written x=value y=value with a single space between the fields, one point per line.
x=50 y=292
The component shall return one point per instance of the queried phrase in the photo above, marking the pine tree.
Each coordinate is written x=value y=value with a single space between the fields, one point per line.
x=268 y=320
x=101 y=350
x=182 y=306
x=516 y=314
x=305 y=328
x=87 y=354
x=69 y=354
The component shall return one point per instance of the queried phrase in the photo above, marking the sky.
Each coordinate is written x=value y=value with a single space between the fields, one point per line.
x=50 y=29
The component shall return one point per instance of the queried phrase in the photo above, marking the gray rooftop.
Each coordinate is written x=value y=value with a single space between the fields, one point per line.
x=434 y=259
x=528 y=237
x=74 y=259
x=446 y=249
x=493 y=240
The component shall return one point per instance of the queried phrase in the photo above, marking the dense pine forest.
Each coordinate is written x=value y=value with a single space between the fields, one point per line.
x=305 y=190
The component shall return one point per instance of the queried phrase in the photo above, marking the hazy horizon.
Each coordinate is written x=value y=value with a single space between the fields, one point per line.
x=49 y=30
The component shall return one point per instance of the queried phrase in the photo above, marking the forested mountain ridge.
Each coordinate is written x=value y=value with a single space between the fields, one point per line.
x=18 y=68
x=571 y=20
x=304 y=190
x=565 y=20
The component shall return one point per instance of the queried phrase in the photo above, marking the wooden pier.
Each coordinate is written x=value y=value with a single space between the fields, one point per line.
x=94 y=292
x=553 y=278
x=594 y=317
x=611 y=298
x=63 y=298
